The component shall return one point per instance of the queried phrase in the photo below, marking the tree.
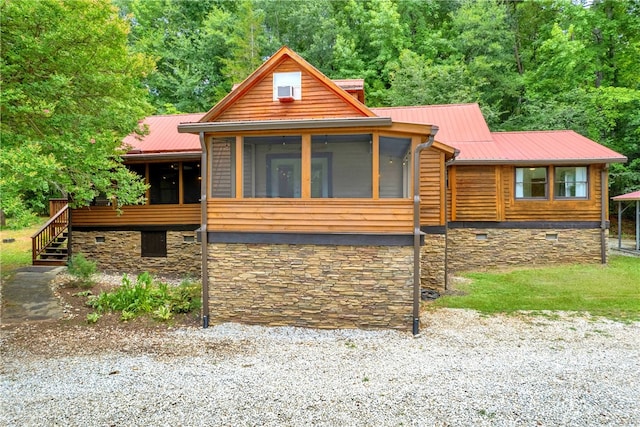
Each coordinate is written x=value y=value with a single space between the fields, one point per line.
x=70 y=94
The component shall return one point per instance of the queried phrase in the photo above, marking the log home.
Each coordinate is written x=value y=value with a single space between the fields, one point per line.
x=299 y=205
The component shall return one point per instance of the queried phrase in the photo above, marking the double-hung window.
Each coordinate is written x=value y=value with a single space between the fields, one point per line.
x=531 y=183
x=570 y=182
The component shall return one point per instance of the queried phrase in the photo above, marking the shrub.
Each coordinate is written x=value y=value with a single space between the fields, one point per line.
x=82 y=270
x=147 y=296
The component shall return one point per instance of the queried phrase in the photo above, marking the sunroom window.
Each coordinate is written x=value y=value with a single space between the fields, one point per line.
x=341 y=166
x=164 y=183
x=570 y=182
x=395 y=157
x=531 y=183
x=272 y=166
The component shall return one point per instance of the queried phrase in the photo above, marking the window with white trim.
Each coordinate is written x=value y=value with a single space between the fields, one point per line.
x=531 y=183
x=570 y=182
x=287 y=85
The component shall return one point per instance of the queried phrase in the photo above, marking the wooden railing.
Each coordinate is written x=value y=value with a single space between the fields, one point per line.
x=55 y=205
x=56 y=225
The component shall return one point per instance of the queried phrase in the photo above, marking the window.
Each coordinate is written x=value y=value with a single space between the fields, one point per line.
x=395 y=156
x=163 y=180
x=223 y=167
x=272 y=166
x=341 y=166
x=531 y=183
x=287 y=85
x=570 y=182
x=153 y=243
x=191 y=182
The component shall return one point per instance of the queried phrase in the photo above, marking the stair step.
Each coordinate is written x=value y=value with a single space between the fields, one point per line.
x=49 y=262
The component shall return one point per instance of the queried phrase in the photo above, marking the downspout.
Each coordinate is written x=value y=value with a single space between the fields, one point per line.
x=603 y=214
x=446 y=219
x=416 y=228
x=203 y=232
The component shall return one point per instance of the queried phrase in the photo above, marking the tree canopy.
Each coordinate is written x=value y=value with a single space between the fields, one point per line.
x=71 y=89
x=530 y=64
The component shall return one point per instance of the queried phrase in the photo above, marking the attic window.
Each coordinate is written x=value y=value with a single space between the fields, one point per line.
x=287 y=86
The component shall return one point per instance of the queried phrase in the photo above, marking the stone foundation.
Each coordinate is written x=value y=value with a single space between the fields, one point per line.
x=482 y=248
x=319 y=286
x=120 y=253
x=432 y=262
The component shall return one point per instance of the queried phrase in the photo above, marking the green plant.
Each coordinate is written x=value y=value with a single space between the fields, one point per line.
x=82 y=270
x=147 y=296
x=93 y=317
x=163 y=313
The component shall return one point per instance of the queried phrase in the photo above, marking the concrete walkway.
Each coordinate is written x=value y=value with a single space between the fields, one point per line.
x=27 y=296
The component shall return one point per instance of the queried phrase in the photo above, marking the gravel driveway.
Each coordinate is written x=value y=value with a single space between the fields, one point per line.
x=465 y=369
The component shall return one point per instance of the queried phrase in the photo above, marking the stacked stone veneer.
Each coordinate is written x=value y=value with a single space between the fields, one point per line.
x=120 y=253
x=321 y=286
x=469 y=249
x=432 y=262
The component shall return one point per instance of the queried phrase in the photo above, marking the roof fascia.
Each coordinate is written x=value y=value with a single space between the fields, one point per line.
x=541 y=162
x=173 y=155
x=247 y=126
x=271 y=63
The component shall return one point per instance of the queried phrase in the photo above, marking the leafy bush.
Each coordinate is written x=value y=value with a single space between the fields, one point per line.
x=82 y=270
x=147 y=296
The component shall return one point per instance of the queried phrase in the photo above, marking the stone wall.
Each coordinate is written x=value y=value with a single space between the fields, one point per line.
x=320 y=286
x=120 y=253
x=482 y=248
x=432 y=262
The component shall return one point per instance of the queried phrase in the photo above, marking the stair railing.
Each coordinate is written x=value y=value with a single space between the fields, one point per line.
x=53 y=228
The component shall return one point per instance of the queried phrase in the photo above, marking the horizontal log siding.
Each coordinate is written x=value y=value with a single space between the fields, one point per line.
x=431 y=187
x=317 y=101
x=137 y=215
x=311 y=216
x=476 y=190
x=552 y=209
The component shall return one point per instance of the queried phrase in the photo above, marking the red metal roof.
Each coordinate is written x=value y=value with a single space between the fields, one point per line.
x=163 y=136
x=461 y=126
x=559 y=146
x=457 y=122
x=628 y=197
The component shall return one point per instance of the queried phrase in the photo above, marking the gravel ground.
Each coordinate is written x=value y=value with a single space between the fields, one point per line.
x=465 y=369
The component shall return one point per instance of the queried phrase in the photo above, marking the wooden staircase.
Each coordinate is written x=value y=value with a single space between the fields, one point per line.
x=49 y=245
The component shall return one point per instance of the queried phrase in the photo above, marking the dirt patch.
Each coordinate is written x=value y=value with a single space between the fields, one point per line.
x=73 y=335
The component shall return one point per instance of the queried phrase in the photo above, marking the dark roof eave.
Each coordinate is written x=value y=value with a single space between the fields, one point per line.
x=606 y=160
x=166 y=155
x=284 y=124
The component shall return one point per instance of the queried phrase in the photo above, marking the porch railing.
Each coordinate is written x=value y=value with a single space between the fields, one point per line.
x=49 y=232
x=55 y=205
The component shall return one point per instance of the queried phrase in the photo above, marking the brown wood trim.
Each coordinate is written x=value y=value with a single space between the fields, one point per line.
x=375 y=169
x=305 y=172
x=239 y=165
x=313 y=239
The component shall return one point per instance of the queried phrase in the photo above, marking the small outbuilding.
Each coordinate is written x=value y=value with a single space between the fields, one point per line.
x=625 y=198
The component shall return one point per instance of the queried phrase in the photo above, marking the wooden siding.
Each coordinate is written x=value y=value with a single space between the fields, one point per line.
x=136 y=215
x=476 y=193
x=317 y=101
x=431 y=187
x=311 y=215
x=552 y=209
x=487 y=193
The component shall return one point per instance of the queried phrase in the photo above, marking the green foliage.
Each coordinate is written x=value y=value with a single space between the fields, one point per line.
x=93 y=317
x=147 y=296
x=612 y=291
x=70 y=93
x=82 y=270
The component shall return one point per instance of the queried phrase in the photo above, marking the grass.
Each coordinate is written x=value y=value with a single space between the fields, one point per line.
x=18 y=253
x=611 y=291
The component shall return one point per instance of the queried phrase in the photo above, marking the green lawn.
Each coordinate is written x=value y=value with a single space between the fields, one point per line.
x=17 y=253
x=611 y=291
